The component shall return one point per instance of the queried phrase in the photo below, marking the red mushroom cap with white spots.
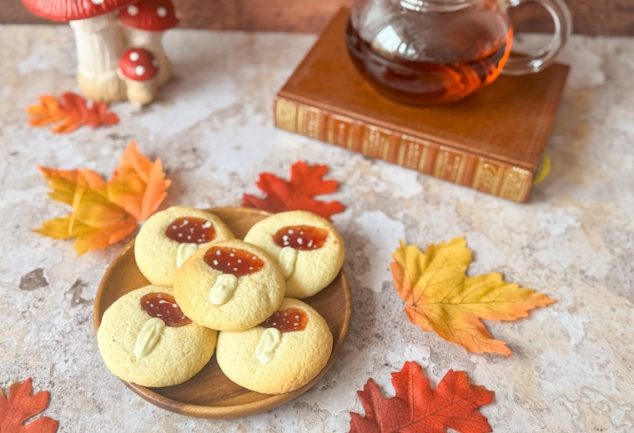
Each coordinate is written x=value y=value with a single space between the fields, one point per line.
x=138 y=64
x=71 y=10
x=150 y=15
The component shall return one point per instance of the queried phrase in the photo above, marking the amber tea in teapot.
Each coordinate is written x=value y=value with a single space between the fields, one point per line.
x=436 y=51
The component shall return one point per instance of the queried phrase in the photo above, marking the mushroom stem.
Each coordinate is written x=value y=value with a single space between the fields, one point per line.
x=141 y=93
x=99 y=44
x=152 y=41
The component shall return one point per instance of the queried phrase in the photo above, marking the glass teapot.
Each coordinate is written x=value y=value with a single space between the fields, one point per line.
x=436 y=51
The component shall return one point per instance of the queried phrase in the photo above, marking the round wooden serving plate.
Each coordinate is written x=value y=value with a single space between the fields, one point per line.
x=210 y=394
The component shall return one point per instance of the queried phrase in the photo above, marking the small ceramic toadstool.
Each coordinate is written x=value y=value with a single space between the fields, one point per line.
x=145 y=21
x=99 y=42
x=139 y=69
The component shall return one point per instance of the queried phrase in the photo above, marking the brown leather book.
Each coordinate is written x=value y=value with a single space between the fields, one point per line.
x=493 y=141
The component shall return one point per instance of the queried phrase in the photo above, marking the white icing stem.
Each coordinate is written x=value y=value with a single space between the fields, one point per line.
x=149 y=337
x=269 y=341
x=99 y=43
x=286 y=260
x=184 y=251
x=223 y=289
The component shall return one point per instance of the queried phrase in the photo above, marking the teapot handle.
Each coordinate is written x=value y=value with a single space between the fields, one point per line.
x=560 y=14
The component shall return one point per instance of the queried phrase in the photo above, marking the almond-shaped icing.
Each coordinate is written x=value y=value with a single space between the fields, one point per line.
x=223 y=289
x=287 y=259
x=269 y=341
x=184 y=252
x=149 y=337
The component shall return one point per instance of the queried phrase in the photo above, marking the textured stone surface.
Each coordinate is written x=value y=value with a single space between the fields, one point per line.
x=571 y=370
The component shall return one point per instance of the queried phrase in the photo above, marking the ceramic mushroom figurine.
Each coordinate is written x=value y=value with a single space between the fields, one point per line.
x=99 y=42
x=139 y=68
x=144 y=23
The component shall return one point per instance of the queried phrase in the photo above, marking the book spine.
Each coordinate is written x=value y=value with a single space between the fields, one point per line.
x=432 y=158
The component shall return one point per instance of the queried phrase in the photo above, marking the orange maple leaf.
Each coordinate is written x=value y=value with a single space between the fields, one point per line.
x=21 y=405
x=138 y=185
x=298 y=193
x=417 y=407
x=440 y=297
x=104 y=213
x=69 y=113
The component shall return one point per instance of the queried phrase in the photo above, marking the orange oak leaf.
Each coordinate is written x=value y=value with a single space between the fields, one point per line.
x=21 y=405
x=104 y=213
x=416 y=407
x=298 y=193
x=70 y=112
x=440 y=297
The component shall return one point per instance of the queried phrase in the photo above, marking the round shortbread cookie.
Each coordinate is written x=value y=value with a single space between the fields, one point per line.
x=230 y=286
x=308 y=248
x=146 y=339
x=169 y=237
x=282 y=354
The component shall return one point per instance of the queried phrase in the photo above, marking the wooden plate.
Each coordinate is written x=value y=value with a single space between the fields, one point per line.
x=210 y=394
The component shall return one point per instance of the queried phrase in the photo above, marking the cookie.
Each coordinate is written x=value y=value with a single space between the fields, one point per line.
x=282 y=354
x=229 y=286
x=145 y=338
x=171 y=236
x=308 y=249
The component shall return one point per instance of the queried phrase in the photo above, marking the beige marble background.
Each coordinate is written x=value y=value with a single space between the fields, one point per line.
x=572 y=365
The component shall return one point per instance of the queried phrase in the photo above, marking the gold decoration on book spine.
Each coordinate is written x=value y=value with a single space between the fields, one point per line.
x=487 y=177
x=449 y=165
x=340 y=130
x=423 y=157
x=413 y=152
x=308 y=121
x=516 y=184
x=439 y=165
x=376 y=142
x=286 y=114
x=484 y=175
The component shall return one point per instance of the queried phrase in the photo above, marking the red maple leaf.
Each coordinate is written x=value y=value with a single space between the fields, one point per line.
x=417 y=408
x=20 y=406
x=298 y=193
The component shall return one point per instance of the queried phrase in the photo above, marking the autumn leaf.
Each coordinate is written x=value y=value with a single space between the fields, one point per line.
x=138 y=184
x=20 y=406
x=298 y=193
x=417 y=408
x=440 y=297
x=70 y=112
x=104 y=213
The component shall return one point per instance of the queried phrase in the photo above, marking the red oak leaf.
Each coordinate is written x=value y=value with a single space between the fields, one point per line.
x=20 y=406
x=298 y=193
x=417 y=408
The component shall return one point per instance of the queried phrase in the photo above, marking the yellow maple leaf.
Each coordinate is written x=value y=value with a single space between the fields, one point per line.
x=104 y=213
x=440 y=297
x=67 y=184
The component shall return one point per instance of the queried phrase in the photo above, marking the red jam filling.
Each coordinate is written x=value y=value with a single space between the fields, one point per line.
x=233 y=261
x=303 y=238
x=289 y=320
x=190 y=230
x=163 y=306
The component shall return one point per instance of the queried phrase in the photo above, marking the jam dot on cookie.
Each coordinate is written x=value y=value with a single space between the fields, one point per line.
x=302 y=237
x=233 y=261
x=163 y=306
x=289 y=320
x=190 y=230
